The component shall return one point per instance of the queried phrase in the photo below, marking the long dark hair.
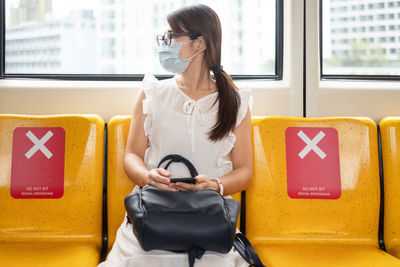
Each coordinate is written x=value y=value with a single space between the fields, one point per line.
x=202 y=20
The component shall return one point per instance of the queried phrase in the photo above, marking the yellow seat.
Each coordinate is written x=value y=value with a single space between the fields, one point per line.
x=65 y=230
x=290 y=231
x=390 y=136
x=118 y=183
x=49 y=254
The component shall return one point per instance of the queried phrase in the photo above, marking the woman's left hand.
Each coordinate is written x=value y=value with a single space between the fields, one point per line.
x=202 y=182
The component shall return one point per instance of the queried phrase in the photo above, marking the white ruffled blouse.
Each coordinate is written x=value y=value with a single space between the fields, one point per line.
x=177 y=124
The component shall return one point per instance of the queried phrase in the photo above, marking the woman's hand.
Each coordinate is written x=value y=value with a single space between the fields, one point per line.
x=202 y=182
x=160 y=178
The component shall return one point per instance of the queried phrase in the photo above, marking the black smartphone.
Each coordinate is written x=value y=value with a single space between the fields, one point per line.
x=188 y=180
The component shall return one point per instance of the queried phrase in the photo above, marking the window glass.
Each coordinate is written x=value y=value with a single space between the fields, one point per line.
x=368 y=45
x=119 y=36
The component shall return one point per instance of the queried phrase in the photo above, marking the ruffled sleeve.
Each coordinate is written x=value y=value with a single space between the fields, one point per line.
x=150 y=88
x=224 y=161
x=246 y=102
x=149 y=85
x=223 y=158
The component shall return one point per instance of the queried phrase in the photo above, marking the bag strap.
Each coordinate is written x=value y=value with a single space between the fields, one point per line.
x=178 y=158
x=193 y=254
x=246 y=250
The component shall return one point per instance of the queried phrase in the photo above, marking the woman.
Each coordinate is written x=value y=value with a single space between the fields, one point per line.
x=203 y=118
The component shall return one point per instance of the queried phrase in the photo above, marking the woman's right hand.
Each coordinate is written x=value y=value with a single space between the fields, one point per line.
x=159 y=178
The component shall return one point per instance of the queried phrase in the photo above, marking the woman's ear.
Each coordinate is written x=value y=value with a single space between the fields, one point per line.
x=201 y=44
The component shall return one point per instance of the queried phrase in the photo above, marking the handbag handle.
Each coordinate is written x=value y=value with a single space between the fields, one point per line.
x=179 y=158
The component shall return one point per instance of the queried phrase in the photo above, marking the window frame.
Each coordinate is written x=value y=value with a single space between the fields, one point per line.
x=138 y=77
x=329 y=77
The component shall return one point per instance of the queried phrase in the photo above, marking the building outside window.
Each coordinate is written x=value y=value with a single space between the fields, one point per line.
x=370 y=48
x=118 y=37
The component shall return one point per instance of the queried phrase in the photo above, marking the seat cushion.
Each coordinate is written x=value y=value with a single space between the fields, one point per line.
x=324 y=255
x=394 y=250
x=48 y=254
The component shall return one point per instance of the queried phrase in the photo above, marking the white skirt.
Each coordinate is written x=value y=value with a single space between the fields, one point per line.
x=127 y=252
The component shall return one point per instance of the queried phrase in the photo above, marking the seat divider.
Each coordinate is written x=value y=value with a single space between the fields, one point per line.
x=382 y=192
x=104 y=245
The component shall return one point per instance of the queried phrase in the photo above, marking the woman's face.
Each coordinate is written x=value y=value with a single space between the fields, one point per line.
x=187 y=49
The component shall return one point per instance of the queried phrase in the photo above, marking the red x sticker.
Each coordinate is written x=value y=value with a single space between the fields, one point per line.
x=312 y=162
x=37 y=169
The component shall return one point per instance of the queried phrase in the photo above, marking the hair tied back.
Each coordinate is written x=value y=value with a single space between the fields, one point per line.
x=216 y=69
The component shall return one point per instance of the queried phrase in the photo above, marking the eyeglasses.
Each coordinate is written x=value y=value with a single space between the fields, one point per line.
x=167 y=37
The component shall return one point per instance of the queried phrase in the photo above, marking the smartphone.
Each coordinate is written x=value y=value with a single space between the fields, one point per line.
x=188 y=180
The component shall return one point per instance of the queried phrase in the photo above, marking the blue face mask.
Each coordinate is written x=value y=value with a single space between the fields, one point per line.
x=170 y=60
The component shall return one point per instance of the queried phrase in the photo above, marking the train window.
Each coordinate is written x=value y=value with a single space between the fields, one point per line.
x=116 y=39
x=366 y=48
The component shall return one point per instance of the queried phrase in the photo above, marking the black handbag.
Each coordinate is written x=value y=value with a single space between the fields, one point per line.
x=190 y=222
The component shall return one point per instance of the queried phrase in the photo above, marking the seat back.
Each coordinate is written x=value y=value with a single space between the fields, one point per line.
x=118 y=183
x=284 y=163
x=51 y=179
x=390 y=136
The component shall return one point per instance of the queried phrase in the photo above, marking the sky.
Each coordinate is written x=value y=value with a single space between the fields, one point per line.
x=62 y=8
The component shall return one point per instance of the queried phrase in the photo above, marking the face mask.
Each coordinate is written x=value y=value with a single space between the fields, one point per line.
x=169 y=57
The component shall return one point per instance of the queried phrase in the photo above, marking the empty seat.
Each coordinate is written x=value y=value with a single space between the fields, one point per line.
x=118 y=183
x=315 y=195
x=51 y=185
x=390 y=136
